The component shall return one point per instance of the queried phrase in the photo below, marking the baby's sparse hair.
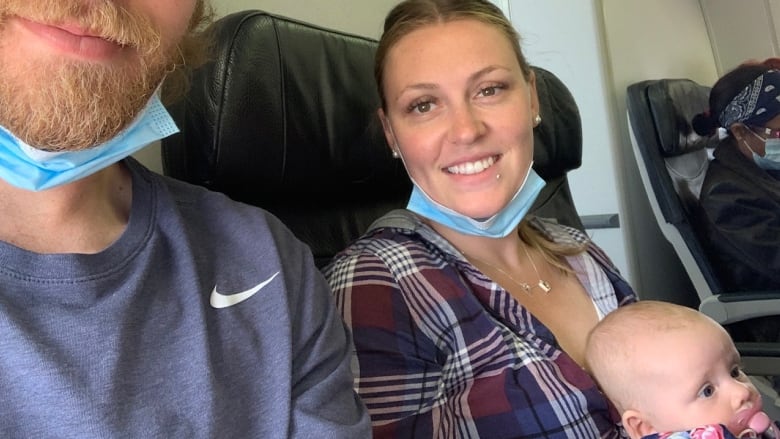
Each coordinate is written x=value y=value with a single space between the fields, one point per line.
x=613 y=350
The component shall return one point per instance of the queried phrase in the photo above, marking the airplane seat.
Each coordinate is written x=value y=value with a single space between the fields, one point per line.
x=672 y=161
x=284 y=117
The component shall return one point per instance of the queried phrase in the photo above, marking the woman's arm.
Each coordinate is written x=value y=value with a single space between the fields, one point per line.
x=396 y=366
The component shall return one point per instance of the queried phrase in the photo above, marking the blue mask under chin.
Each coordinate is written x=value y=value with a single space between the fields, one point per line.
x=29 y=168
x=497 y=226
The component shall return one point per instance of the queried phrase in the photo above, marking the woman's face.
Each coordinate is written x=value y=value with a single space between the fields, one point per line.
x=460 y=113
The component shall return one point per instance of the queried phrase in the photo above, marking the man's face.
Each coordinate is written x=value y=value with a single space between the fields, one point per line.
x=74 y=73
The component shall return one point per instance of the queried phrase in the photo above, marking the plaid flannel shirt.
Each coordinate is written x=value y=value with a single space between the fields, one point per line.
x=442 y=351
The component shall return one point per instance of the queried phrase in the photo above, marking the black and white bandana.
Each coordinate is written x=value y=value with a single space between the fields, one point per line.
x=756 y=104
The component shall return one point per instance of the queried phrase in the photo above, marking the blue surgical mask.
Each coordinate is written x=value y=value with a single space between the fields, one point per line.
x=29 y=168
x=497 y=226
x=771 y=159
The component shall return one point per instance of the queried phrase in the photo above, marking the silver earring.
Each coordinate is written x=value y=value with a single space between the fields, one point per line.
x=537 y=120
x=396 y=154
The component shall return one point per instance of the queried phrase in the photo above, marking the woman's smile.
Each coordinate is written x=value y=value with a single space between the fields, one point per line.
x=474 y=167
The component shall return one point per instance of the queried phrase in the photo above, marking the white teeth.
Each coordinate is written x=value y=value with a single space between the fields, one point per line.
x=472 y=167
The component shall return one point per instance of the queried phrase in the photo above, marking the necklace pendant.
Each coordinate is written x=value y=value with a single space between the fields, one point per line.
x=526 y=288
x=544 y=286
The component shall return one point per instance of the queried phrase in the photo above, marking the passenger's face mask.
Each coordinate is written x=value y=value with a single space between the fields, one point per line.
x=29 y=168
x=497 y=226
x=771 y=158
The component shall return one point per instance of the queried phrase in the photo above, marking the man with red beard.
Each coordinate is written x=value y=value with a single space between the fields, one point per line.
x=133 y=305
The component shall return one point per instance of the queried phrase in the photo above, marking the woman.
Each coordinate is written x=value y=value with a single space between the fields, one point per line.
x=740 y=196
x=741 y=191
x=467 y=321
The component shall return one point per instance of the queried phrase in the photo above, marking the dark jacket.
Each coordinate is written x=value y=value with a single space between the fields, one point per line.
x=741 y=219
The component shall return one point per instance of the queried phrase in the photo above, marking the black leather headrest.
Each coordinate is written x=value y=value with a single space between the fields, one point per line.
x=558 y=139
x=673 y=103
x=284 y=114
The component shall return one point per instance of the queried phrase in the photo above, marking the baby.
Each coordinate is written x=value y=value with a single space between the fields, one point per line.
x=673 y=372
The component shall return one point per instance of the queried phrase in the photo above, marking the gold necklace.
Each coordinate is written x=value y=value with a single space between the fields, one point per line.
x=542 y=284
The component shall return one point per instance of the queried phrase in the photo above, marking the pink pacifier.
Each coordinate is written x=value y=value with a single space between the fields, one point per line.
x=756 y=425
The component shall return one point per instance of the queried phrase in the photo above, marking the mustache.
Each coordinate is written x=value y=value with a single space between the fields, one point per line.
x=100 y=18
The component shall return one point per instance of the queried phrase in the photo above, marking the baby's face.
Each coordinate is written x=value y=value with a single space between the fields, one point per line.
x=696 y=379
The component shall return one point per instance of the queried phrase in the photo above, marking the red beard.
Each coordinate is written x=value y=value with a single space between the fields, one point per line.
x=58 y=104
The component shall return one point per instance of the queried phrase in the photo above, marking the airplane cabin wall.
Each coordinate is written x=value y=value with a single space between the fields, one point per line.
x=742 y=30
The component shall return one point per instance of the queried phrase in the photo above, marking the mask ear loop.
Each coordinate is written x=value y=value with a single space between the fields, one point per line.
x=757 y=136
x=744 y=142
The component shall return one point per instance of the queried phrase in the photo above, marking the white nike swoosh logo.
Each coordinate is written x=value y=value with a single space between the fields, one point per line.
x=219 y=300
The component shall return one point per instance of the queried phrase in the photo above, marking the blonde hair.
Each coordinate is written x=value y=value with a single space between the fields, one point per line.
x=552 y=252
x=411 y=15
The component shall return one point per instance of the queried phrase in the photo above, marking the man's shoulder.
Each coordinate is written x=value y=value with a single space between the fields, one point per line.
x=201 y=202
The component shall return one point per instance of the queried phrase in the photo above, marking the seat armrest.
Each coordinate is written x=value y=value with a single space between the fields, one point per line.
x=738 y=306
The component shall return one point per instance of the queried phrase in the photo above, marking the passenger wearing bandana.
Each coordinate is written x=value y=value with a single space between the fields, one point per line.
x=740 y=196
